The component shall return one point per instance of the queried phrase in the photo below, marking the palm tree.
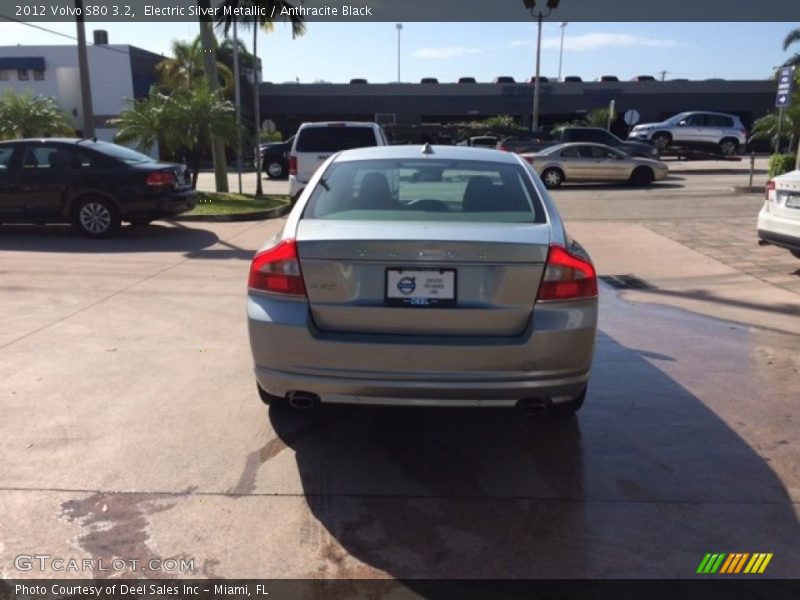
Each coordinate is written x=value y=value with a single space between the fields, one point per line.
x=792 y=37
x=767 y=127
x=184 y=69
x=184 y=122
x=25 y=115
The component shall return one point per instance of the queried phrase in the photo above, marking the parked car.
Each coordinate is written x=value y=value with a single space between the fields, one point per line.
x=608 y=78
x=275 y=158
x=572 y=79
x=315 y=142
x=482 y=141
x=92 y=185
x=712 y=131
x=779 y=219
x=504 y=79
x=387 y=288
x=593 y=162
x=596 y=135
x=524 y=143
x=644 y=78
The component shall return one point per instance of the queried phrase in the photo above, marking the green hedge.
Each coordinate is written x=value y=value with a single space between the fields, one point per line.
x=780 y=164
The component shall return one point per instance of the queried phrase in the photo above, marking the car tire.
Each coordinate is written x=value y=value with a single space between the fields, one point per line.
x=140 y=222
x=642 y=176
x=569 y=408
x=95 y=217
x=661 y=141
x=552 y=178
x=275 y=169
x=729 y=147
x=269 y=399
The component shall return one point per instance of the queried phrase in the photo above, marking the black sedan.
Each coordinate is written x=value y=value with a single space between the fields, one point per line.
x=92 y=185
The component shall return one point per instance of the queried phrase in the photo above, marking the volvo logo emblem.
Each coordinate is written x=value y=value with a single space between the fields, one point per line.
x=407 y=285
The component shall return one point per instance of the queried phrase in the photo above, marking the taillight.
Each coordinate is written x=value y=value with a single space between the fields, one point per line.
x=770 y=187
x=277 y=270
x=160 y=178
x=567 y=277
x=292 y=165
x=502 y=148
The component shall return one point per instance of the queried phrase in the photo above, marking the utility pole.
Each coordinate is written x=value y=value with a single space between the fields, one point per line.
x=561 y=49
x=257 y=112
x=83 y=68
x=238 y=100
x=399 y=29
x=530 y=5
x=663 y=74
x=210 y=70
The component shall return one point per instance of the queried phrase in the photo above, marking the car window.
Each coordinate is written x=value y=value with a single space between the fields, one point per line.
x=571 y=152
x=719 y=121
x=428 y=190
x=586 y=151
x=5 y=156
x=600 y=152
x=696 y=120
x=48 y=157
x=126 y=155
x=334 y=138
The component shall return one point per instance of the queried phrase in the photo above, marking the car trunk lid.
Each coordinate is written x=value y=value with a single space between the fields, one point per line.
x=422 y=278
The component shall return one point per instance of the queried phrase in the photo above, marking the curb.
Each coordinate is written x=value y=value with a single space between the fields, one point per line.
x=262 y=215
x=746 y=189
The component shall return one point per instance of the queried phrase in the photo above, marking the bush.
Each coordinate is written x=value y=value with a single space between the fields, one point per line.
x=780 y=164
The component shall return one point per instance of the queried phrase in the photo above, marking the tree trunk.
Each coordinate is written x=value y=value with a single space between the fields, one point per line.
x=210 y=70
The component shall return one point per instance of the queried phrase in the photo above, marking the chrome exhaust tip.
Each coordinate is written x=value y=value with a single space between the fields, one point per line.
x=302 y=400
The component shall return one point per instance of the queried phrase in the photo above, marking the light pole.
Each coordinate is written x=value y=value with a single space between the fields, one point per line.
x=561 y=49
x=531 y=5
x=399 y=29
x=238 y=100
x=83 y=69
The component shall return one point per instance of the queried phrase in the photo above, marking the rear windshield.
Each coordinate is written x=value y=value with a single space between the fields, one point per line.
x=334 y=138
x=425 y=190
x=122 y=153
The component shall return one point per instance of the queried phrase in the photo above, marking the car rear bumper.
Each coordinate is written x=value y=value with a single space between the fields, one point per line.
x=158 y=205
x=551 y=360
x=779 y=231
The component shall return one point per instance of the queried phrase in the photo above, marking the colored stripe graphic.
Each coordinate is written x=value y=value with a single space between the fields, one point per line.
x=764 y=564
x=715 y=567
x=742 y=560
x=727 y=564
x=703 y=563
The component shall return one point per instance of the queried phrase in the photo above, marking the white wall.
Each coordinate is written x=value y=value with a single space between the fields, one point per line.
x=109 y=69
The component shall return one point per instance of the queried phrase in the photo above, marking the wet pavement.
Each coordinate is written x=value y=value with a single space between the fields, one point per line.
x=131 y=428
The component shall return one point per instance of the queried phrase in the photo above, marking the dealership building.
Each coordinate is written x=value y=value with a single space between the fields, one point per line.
x=289 y=104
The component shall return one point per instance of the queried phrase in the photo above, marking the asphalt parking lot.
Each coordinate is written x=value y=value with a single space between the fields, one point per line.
x=132 y=428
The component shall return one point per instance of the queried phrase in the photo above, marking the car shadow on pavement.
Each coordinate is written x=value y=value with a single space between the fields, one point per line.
x=655 y=186
x=62 y=238
x=642 y=484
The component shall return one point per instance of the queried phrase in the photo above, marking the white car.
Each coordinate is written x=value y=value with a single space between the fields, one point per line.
x=779 y=219
x=314 y=143
x=715 y=132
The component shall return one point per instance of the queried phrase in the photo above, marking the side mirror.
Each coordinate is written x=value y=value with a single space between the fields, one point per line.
x=683 y=123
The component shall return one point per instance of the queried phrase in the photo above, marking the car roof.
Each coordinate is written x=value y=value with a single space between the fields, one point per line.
x=412 y=151
x=48 y=140
x=338 y=124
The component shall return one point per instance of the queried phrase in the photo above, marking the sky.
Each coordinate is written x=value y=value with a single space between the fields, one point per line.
x=337 y=52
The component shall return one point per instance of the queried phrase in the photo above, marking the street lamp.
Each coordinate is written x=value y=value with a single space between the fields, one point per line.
x=561 y=49
x=399 y=29
x=531 y=5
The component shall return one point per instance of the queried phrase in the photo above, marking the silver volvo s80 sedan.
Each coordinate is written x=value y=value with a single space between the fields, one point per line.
x=424 y=276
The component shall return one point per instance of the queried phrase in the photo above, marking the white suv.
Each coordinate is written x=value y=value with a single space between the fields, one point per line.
x=779 y=219
x=717 y=132
x=315 y=142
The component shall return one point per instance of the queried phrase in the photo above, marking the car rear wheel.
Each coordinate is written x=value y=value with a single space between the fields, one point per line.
x=275 y=169
x=569 y=408
x=728 y=147
x=95 y=217
x=642 y=176
x=552 y=178
x=661 y=141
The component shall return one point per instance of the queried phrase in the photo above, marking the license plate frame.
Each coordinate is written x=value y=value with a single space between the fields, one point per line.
x=437 y=288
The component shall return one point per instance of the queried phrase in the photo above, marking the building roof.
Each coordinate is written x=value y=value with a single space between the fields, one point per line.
x=35 y=63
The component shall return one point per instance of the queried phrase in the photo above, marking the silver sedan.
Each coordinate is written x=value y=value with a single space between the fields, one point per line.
x=433 y=276
x=593 y=162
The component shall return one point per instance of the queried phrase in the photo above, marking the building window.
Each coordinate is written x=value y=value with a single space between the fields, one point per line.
x=38 y=75
x=3 y=75
x=22 y=74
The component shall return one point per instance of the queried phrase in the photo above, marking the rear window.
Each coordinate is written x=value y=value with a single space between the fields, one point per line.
x=425 y=190
x=126 y=155
x=5 y=156
x=334 y=138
